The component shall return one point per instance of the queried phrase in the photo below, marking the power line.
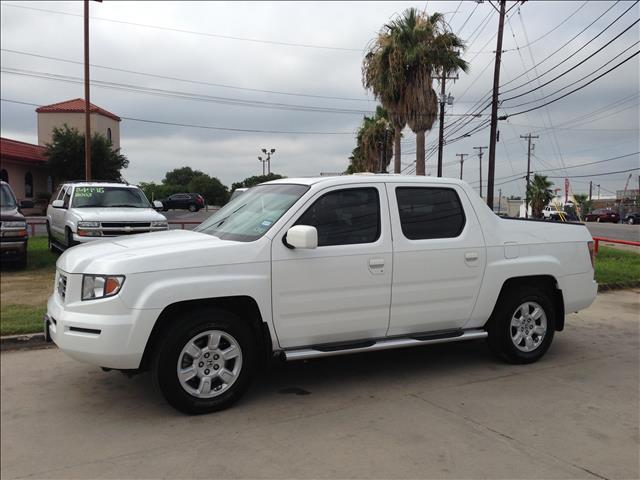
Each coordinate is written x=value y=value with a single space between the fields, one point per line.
x=574 y=90
x=557 y=26
x=598 y=174
x=196 y=82
x=191 y=32
x=567 y=58
x=206 y=127
x=580 y=63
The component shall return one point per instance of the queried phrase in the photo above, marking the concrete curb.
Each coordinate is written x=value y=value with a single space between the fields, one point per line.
x=29 y=341
x=617 y=286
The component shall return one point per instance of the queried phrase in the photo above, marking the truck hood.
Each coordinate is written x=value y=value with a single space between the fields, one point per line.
x=153 y=252
x=120 y=214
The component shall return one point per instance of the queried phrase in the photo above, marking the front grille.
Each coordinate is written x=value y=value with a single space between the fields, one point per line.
x=126 y=224
x=62 y=285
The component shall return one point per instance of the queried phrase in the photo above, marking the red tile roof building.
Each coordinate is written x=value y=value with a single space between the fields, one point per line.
x=75 y=106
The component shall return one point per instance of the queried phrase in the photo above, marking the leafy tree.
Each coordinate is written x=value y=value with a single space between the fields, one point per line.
x=181 y=176
x=185 y=179
x=400 y=66
x=539 y=194
x=212 y=189
x=255 y=180
x=65 y=156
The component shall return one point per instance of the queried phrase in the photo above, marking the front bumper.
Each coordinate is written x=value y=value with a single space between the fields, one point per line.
x=106 y=334
x=14 y=248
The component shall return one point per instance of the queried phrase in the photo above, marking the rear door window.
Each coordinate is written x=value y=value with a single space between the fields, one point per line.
x=427 y=212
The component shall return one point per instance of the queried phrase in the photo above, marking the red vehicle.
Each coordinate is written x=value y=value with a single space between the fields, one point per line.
x=602 y=215
x=190 y=201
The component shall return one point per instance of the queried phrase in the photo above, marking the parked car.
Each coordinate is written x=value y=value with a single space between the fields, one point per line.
x=237 y=192
x=632 y=218
x=313 y=267
x=602 y=215
x=81 y=212
x=183 y=201
x=13 y=227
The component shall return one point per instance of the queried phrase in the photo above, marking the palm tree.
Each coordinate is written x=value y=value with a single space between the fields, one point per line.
x=539 y=194
x=399 y=69
x=380 y=75
x=373 y=135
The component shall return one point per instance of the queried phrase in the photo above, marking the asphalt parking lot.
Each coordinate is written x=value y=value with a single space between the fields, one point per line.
x=445 y=411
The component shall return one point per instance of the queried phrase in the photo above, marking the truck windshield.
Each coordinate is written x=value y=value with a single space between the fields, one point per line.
x=248 y=217
x=104 y=197
x=7 y=200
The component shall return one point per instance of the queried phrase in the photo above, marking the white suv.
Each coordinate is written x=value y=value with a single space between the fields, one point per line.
x=83 y=211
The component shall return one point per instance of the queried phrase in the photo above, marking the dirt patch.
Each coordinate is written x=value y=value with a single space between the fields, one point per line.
x=26 y=288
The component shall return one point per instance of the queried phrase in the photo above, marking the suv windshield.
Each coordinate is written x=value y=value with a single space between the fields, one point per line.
x=248 y=217
x=7 y=200
x=95 y=196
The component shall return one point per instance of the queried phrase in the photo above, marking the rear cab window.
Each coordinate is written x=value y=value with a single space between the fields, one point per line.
x=430 y=212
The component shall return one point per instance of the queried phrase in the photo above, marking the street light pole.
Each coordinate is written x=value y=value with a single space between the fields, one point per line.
x=87 y=103
x=267 y=159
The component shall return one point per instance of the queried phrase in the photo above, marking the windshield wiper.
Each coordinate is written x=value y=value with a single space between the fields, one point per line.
x=127 y=205
x=217 y=224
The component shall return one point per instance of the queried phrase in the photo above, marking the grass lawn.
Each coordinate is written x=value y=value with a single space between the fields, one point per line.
x=24 y=293
x=617 y=267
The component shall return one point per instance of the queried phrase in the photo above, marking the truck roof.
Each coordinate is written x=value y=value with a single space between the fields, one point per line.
x=369 y=178
x=99 y=184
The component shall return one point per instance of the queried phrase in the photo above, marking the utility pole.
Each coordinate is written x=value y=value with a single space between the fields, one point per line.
x=526 y=193
x=499 y=199
x=443 y=99
x=494 y=108
x=598 y=185
x=267 y=159
x=461 y=155
x=590 y=194
x=87 y=103
x=480 y=153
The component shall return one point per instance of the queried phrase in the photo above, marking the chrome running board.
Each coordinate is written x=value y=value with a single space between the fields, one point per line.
x=308 y=353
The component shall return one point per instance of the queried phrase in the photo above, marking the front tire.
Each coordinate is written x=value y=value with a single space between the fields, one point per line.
x=522 y=327
x=205 y=362
x=50 y=240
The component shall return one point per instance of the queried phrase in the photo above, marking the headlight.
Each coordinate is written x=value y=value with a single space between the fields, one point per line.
x=159 y=225
x=14 y=225
x=101 y=286
x=89 y=229
x=14 y=229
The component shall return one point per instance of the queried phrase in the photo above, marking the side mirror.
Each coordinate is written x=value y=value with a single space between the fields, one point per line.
x=302 y=236
x=25 y=204
x=157 y=204
x=57 y=204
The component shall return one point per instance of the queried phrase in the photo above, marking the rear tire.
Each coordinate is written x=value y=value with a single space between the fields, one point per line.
x=217 y=335
x=522 y=326
x=193 y=208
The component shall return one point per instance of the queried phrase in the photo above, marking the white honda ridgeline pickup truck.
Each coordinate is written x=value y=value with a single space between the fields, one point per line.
x=312 y=267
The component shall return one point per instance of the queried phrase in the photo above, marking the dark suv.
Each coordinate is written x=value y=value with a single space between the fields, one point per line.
x=602 y=215
x=185 y=201
x=13 y=227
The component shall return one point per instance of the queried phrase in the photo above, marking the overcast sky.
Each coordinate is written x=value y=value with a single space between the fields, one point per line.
x=309 y=51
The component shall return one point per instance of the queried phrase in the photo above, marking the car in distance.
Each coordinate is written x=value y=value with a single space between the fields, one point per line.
x=602 y=215
x=13 y=227
x=632 y=218
x=183 y=201
x=312 y=267
x=80 y=212
x=237 y=192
